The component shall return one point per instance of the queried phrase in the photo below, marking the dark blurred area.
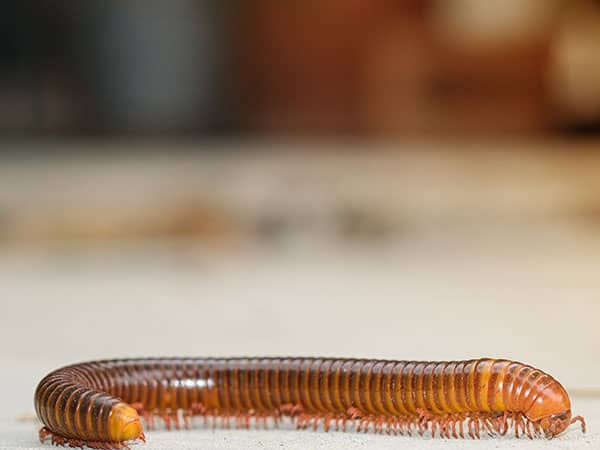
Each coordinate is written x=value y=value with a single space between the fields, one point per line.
x=385 y=68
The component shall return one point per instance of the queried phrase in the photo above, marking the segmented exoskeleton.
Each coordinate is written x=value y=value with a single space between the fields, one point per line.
x=99 y=404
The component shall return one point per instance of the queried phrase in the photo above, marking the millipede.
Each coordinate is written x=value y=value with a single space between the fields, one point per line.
x=102 y=404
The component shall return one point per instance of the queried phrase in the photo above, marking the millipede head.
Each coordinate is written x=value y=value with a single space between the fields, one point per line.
x=557 y=423
x=551 y=411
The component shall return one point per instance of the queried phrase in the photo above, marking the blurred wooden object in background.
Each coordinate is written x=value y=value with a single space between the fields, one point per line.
x=299 y=63
x=575 y=66
x=400 y=68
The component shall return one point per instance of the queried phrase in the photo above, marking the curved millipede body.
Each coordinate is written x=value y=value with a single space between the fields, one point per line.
x=99 y=404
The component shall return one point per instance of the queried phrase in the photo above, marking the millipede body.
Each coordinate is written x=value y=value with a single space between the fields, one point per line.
x=102 y=404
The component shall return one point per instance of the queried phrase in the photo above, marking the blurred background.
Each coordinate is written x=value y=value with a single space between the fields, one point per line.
x=408 y=179
x=389 y=68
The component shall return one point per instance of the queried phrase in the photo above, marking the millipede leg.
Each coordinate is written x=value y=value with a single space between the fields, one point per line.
x=327 y=421
x=528 y=429
x=537 y=429
x=62 y=441
x=44 y=433
x=581 y=420
x=503 y=424
x=432 y=423
x=488 y=422
x=518 y=424
x=461 y=426
x=454 y=423
x=410 y=426
x=477 y=425
x=470 y=428
x=446 y=427
x=186 y=419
